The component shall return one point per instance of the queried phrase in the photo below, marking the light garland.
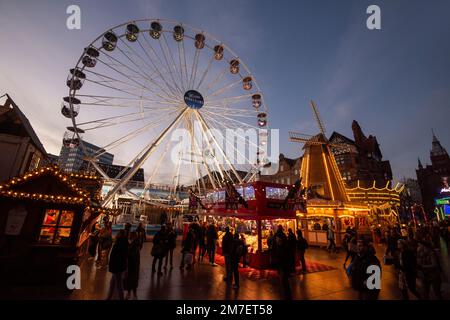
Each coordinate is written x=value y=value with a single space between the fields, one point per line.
x=55 y=171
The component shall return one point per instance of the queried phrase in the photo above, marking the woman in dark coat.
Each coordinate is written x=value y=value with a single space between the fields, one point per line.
x=134 y=260
x=118 y=264
x=159 y=249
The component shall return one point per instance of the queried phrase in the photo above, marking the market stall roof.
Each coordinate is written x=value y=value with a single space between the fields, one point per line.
x=51 y=184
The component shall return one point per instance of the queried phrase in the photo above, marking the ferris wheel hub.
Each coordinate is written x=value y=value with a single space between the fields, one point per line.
x=193 y=99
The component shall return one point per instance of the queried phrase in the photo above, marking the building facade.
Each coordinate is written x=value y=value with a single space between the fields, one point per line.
x=20 y=148
x=288 y=171
x=71 y=158
x=434 y=179
x=360 y=159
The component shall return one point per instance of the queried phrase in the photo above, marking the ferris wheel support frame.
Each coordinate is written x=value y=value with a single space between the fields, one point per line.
x=142 y=159
x=200 y=118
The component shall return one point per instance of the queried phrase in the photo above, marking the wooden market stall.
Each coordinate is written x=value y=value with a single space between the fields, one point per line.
x=45 y=221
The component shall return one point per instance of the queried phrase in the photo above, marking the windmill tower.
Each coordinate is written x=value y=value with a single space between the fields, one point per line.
x=319 y=170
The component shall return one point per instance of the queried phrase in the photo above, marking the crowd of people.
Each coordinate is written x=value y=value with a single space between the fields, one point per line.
x=414 y=253
x=122 y=256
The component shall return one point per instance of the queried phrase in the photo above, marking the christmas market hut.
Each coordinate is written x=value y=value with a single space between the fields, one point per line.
x=45 y=221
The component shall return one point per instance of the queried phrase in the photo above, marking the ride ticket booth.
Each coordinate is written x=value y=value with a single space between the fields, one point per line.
x=266 y=208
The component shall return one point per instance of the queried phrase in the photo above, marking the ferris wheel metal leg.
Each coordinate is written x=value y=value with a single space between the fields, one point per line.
x=199 y=116
x=142 y=159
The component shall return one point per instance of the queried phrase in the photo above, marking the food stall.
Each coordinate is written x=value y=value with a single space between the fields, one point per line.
x=262 y=208
x=324 y=214
x=44 y=224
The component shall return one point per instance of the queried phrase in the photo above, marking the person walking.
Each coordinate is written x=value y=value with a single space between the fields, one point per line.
x=187 y=257
x=211 y=240
x=292 y=248
x=93 y=241
x=407 y=270
x=330 y=238
x=142 y=234
x=351 y=250
x=282 y=261
x=237 y=250
x=244 y=254
x=202 y=241
x=227 y=246
x=134 y=262
x=118 y=264
x=429 y=269
x=159 y=249
x=105 y=242
x=358 y=271
x=171 y=245
x=302 y=245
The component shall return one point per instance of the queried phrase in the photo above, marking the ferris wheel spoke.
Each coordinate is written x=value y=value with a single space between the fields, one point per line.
x=111 y=80
x=172 y=89
x=205 y=72
x=221 y=124
x=131 y=135
x=171 y=56
x=202 y=120
x=148 y=150
x=225 y=112
x=140 y=68
x=184 y=84
x=170 y=68
x=185 y=63
x=106 y=100
x=223 y=89
x=228 y=100
x=127 y=91
x=215 y=81
x=239 y=123
x=194 y=69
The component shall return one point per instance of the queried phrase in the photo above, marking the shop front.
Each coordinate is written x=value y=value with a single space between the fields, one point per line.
x=322 y=215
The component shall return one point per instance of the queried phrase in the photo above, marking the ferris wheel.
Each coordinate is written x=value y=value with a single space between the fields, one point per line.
x=140 y=82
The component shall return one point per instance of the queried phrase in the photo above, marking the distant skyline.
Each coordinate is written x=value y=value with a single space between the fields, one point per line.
x=394 y=81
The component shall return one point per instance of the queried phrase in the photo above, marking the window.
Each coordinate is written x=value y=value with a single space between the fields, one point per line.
x=276 y=193
x=249 y=193
x=281 y=168
x=346 y=175
x=56 y=226
x=296 y=172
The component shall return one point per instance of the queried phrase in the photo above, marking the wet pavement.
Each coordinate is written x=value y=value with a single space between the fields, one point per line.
x=205 y=282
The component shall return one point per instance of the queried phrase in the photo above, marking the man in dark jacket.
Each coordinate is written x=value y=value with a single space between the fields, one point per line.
x=118 y=264
x=237 y=250
x=188 y=247
x=292 y=248
x=281 y=254
x=302 y=245
x=227 y=246
x=159 y=249
x=358 y=273
x=171 y=245
x=211 y=239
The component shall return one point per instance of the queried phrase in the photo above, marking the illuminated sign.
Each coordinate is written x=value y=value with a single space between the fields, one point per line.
x=445 y=190
x=443 y=201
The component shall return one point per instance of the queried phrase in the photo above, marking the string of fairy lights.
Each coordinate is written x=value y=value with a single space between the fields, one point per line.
x=82 y=198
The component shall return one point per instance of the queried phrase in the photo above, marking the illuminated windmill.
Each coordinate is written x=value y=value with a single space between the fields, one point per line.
x=319 y=170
